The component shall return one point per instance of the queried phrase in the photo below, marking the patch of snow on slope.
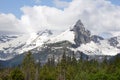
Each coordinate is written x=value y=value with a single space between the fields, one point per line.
x=107 y=49
x=31 y=38
x=9 y=47
x=102 y=48
x=67 y=35
x=35 y=41
x=8 y=58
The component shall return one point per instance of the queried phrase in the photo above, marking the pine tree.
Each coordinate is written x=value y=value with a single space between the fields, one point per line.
x=74 y=61
x=28 y=66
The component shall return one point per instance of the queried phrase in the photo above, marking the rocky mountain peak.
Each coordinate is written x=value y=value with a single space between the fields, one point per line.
x=82 y=35
x=79 y=26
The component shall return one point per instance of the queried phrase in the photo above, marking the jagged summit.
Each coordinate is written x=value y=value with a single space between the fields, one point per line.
x=79 y=24
x=82 y=35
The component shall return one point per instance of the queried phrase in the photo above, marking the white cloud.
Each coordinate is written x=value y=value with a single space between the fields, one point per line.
x=97 y=15
x=8 y=22
x=42 y=17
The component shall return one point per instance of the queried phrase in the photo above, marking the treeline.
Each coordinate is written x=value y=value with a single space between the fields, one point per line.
x=67 y=68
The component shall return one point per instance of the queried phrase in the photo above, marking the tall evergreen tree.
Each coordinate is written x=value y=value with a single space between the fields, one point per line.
x=28 y=66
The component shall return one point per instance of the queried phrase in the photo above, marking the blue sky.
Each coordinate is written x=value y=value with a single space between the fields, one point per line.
x=13 y=6
x=116 y=2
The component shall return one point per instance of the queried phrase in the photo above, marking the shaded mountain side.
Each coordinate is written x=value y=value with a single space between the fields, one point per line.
x=114 y=41
x=96 y=38
x=82 y=35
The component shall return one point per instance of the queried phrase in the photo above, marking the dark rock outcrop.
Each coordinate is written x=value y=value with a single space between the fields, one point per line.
x=113 y=41
x=82 y=36
x=96 y=38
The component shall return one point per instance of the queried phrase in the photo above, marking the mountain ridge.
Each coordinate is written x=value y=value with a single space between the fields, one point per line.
x=78 y=39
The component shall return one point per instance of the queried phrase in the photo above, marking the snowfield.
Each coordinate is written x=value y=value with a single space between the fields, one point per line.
x=102 y=48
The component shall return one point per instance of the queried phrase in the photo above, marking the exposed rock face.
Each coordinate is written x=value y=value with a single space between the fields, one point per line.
x=82 y=36
x=96 y=38
x=113 y=41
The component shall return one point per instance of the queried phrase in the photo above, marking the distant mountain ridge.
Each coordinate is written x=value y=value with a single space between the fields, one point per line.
x=77 y=40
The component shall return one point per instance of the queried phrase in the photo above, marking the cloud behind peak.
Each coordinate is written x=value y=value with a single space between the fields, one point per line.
x=99 y=16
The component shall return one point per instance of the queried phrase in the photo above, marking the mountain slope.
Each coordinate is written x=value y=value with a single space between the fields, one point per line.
x=77 y=40
x=22 y=44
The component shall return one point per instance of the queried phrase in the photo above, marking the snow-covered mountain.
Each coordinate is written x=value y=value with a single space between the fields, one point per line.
x=23 y=43
x=77 y=39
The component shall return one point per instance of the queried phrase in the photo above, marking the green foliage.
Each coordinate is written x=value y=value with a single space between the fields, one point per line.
x=17 y=74
x=47 y=73
x=28 y=66
x=100 y=76
x=68 y=68
x=28 y=61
